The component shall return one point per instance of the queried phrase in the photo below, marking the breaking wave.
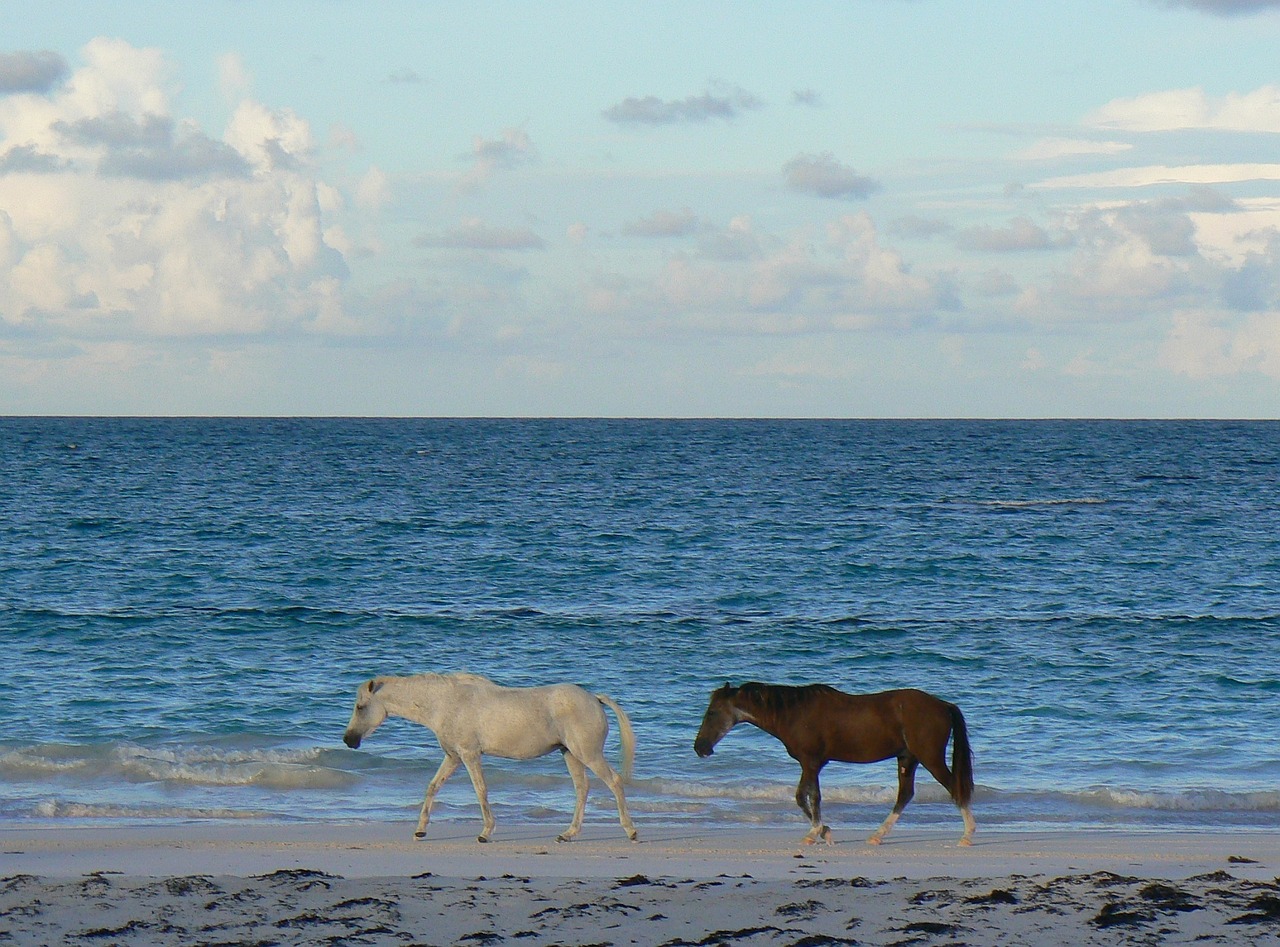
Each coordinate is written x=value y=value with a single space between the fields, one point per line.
x=280 y=769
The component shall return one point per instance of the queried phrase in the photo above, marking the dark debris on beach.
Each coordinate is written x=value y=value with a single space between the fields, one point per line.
x=296 y=907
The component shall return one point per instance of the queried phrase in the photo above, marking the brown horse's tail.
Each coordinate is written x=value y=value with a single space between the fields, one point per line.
x=961 y=760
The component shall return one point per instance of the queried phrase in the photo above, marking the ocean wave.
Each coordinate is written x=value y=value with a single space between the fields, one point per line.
x=279 y=769
x=1202 y=799
x=1023 y=504
x=1198 y=799
x=59 y=809
x=1236 y=683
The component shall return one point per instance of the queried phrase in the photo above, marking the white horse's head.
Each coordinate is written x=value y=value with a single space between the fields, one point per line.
x=368 y=714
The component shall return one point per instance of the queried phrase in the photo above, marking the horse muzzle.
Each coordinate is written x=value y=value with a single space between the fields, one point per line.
x=704 y=748
x=351 y=739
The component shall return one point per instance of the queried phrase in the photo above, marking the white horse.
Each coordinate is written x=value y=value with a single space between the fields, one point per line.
x=470 y=716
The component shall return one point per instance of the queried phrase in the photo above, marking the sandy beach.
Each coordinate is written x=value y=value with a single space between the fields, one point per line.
x=251 y=884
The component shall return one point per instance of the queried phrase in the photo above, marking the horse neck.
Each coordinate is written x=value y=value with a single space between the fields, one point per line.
x=414 y=698
x=759 y=711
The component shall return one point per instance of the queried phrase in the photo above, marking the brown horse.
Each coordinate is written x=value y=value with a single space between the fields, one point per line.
x=817 y=724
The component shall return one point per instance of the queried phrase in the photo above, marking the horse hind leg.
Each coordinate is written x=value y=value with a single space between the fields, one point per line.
x=936 y=764
x=578 y=772
x=906 y=789
x=600 y=766
x=809 y=799
x=476 y=772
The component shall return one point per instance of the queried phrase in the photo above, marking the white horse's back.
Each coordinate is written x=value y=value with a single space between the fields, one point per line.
x=521 y=723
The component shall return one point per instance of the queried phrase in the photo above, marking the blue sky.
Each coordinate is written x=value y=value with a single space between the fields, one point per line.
x=877 y=208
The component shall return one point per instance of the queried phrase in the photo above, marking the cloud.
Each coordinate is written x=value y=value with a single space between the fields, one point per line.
x=1050 y=149
x=404 y=77
x=1131 y=260
x=1226 y=7
x=736 y=242
x=488 y=155
x=1254 y=285
x=270 y=139
x=1206 y=174
x=234 y=78
x=1166 y=225
x=1180 y=109
x=140 y=224
x=374 y=190
x=1203 y=345
x=1166 y=233
x=841 y=280
x=1021 y=234
x=650 y=110
x=194 y=157
x=921 y=228
x=30 y=71
x=995 y=283
x=28 y=159
x=664 y=223
x=807 y=97
x=1125 y=263
x=145 y=147
x=823 y=176
x=475 y=234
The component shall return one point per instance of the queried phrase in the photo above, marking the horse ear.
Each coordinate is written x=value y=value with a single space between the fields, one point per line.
x=373 y=685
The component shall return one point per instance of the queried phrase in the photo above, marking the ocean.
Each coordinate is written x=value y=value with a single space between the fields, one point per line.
x=187 y=607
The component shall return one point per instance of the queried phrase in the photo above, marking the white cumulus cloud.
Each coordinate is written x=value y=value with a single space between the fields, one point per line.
x=119 y=218
x=1176 y=109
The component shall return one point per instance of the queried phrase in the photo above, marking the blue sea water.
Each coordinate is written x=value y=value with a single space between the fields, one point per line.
x=188 y=605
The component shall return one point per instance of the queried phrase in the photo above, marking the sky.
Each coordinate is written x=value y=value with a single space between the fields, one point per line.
x=854 y=208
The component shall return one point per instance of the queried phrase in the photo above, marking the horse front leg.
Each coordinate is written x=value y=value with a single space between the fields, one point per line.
x=472 y=762
x=906 y=789
x=447 y=766
x=809 y=798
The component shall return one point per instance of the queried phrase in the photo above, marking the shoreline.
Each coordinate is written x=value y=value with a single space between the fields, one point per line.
x=369 y=883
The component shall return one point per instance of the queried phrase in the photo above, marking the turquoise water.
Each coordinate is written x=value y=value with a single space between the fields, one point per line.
x=187 y=607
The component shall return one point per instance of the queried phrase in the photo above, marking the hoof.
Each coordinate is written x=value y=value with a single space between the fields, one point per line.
x=564 y=838
x=824 y=835
x=633 y=835
x=965 y=843
x=419 y=834
x=874 y=840
x=482 y=839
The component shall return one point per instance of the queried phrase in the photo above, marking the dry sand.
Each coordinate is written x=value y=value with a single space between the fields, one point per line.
x=372 y=884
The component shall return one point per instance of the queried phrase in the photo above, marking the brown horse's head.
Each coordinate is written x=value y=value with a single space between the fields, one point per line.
x=722 y=716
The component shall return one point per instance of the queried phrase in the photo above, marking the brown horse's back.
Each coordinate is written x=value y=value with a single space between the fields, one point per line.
x=867 y=728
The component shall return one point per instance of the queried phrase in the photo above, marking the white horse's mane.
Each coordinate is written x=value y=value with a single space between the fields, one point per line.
x=464 y=677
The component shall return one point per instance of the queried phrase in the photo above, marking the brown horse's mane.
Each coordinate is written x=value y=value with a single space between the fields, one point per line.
x=777 y=699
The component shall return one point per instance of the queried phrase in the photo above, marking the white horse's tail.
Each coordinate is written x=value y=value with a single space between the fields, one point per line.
x=625 y=732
